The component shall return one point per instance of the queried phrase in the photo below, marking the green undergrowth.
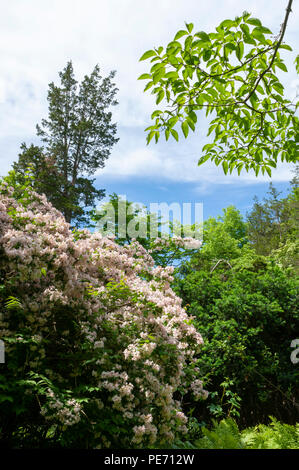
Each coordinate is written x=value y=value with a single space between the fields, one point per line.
x=226 y=435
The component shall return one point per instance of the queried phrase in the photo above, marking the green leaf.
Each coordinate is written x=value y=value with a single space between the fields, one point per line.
x=227 y=24
x=206 y=97
x=150 y=136
x=175 y=134
x=189 y=26
x=253 y=99
x=212 y=92
x=278 y=87
x=199 y=44
x=144 y=76
x=203 y=36
x=254 y=21
x=171 y=75
x=155 y=114
x=220 y=80
x=249 y=40
x=172 y=121
x=245 y=29
x=260 y=89
x=193 y=116
x=239 y=168
x=173 y=60
x=181 y=98
x=173 y=47
x=230 y=46
x=231 y=167
x=180 y=34
x=160 y=96
x=147 y=54
x=191 y=124
x=5 y=398
x=188 y=42
x=225 y=167
x=264 y=30
x=158 y=75
x=185 y=128
x=211 y=128
x=204 y=158
x=281 y=66
x=240 y=50
x=149 y=85
x=156 y=67
x=285 y=46
x=207 y=54
x=268 y=170
x=258 y=35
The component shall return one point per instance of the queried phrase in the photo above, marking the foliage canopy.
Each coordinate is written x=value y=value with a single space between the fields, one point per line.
x=232 y=74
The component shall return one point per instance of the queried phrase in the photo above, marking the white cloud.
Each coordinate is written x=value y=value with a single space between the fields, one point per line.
x=157 y=162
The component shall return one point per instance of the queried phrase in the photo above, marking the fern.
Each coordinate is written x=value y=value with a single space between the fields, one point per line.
x=275 y=436
x=224 y=435
x=13 y=303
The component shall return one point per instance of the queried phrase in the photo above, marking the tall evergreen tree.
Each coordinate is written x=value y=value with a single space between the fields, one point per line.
x=78 y=137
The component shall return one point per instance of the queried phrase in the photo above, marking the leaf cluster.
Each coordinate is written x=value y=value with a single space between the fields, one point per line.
x=232 y=75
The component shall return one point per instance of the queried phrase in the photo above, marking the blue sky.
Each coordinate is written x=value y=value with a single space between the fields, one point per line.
x=146 y=191
x=38 y=38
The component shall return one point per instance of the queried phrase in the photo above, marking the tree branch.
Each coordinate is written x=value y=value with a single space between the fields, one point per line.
x=282 y=32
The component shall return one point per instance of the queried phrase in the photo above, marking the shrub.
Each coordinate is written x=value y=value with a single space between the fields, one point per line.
x=99 y=350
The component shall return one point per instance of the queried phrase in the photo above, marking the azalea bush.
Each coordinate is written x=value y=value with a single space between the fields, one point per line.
x=99 y=351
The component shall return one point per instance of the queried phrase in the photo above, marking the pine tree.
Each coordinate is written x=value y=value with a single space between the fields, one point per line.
x=78 y=136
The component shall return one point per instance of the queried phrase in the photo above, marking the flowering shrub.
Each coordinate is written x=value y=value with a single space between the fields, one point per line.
x=99 y=350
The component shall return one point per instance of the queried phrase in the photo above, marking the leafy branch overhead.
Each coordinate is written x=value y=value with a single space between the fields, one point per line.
x=232 y=75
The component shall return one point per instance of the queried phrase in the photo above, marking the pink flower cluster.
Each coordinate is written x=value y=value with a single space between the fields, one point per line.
x=140 y=342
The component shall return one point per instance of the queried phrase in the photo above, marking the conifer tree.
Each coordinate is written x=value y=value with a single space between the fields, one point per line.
x=78 y=136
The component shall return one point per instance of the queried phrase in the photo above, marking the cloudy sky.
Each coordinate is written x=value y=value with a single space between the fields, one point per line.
x=37 y=38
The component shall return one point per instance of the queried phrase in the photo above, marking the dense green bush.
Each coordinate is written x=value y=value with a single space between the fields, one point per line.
x=248 y=317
